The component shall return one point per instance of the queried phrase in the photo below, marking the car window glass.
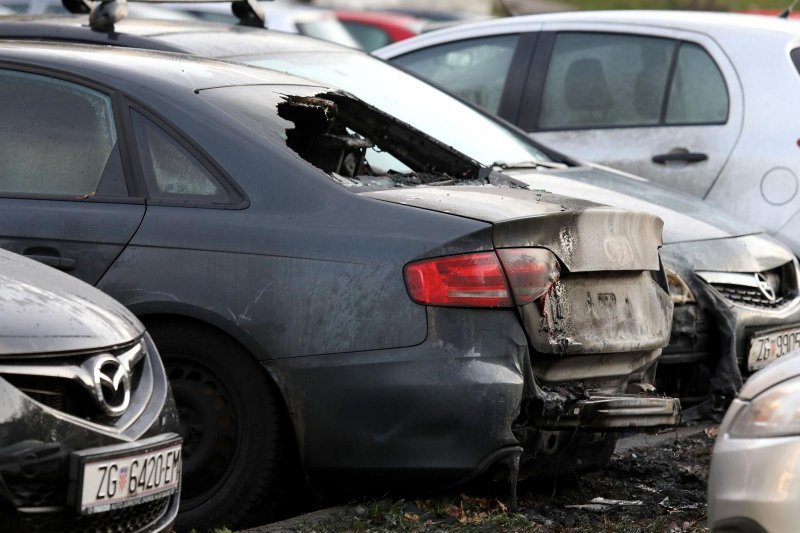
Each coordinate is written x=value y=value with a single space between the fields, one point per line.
x=475 y=70
x=369 y=37
x=56 y=138
x=698 y=93
x=602 y=80
x=170 y=171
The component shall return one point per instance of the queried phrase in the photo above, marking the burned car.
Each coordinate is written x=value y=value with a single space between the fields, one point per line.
x=88 y=427
x=325 y=280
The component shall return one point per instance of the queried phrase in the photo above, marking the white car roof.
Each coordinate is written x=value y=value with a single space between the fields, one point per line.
x=699 y=21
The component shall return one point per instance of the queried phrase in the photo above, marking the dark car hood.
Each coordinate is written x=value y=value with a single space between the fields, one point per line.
x=685 y=217
x=45 y=311
x=585 y=236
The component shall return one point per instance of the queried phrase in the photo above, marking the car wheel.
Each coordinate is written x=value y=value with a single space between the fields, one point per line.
x=234 y=428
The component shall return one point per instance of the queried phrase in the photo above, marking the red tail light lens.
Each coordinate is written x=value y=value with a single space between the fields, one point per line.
x=481 y=280
x=531 y=272
x=470 y=280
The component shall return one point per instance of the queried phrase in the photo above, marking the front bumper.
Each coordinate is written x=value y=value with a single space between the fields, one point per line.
x=38 y=443
x=754 y=484
x=710 y=338
x=432 y=415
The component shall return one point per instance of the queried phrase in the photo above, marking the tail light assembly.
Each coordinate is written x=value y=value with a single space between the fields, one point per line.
x=501 y=278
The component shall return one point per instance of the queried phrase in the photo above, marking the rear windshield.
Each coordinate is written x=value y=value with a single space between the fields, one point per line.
x=357 y=145
x=411 y=100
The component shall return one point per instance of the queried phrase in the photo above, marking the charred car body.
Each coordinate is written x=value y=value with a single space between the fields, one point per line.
x=85 y=410
x=735 y=289
x=325 y=277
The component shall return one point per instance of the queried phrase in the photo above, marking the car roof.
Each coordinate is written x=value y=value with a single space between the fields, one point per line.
x=706 y=22
x=126 y=67
x=213 y=39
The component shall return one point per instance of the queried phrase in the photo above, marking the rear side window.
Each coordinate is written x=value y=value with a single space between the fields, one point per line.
x=57 y=138
x=476 y=69
x=796 y=59
x=698 y=94
x=597 y=80
x=605 y=80
x=170 y=171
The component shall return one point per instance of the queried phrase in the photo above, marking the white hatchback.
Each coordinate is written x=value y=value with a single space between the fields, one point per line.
x=706 y=103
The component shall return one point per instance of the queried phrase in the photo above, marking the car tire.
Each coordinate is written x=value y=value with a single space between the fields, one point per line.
x=236 y=434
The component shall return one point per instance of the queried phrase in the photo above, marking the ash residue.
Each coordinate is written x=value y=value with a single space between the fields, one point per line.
x=669 y=480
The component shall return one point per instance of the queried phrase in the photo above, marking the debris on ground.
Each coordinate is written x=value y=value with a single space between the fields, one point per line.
x=660 y=488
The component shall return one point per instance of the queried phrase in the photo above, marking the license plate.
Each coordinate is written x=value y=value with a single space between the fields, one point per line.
x=766 y=348
x=123 y=475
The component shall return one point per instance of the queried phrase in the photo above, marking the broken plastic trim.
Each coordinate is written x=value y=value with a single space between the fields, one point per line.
x=104 y=14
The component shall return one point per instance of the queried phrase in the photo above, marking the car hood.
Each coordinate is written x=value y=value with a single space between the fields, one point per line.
x=585 y=236
x=685 y=217
x=45 y=311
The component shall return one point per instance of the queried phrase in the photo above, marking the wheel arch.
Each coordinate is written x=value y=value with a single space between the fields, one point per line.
x=201 y=318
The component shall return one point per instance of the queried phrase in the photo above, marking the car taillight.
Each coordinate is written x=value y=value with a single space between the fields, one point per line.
x=479 y=279
x=531 y=272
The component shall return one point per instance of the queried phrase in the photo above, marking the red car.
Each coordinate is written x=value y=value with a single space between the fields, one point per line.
x=374 y=29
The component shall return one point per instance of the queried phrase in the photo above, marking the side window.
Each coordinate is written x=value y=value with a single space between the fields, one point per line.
x=475 y=70
x=369 y=37
x=170 y=171
x=57 y=138
x=602 y=80
x=698 y=94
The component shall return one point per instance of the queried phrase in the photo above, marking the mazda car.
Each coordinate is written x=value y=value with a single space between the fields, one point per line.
x=365 y=296
x=88 y=427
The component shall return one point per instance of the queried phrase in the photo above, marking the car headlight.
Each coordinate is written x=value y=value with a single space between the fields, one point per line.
x=678 y=289
x=773 y=413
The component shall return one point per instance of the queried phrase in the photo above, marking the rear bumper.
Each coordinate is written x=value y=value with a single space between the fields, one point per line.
x=438 y=413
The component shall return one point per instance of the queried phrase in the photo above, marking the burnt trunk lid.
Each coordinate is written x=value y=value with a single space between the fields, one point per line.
x=586 y=237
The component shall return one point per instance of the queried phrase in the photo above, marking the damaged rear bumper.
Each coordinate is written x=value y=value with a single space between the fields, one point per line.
x=617 y=412
x=438 y=413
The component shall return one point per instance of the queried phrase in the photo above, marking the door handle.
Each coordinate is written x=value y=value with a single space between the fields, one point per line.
x=683 y=157
x=61 y=263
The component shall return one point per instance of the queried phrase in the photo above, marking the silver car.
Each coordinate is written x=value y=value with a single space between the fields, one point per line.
x=754 y=485
x=701 y=102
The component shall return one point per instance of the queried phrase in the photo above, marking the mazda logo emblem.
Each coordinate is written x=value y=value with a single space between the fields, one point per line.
x=112 y=384
x=765 y=287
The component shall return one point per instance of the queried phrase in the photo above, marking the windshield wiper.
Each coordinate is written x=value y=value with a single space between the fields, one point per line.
x=528 y=164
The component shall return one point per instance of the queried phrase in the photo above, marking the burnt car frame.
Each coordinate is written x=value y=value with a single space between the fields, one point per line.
x=67 y=426
x=280 y=291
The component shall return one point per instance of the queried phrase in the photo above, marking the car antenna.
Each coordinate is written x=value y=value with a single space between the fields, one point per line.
x=105 y=13
x=788 y=11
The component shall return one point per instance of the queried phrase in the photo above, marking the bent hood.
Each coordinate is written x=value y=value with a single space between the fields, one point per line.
x=585 y=236
x=685 y=217
x=45 y=311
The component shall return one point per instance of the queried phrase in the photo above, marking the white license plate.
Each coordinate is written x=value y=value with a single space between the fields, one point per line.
x=766 y=348
x=121 y=476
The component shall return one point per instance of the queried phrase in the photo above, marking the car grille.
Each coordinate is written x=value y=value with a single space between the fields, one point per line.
x=132 y=519
x=749 y=296
x=56 y=382
x=770 y=289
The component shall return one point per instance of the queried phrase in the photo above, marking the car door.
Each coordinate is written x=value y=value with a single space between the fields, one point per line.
x=64 y=199
x=664 y=104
